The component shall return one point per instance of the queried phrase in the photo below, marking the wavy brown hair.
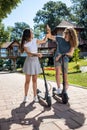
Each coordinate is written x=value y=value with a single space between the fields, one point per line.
x=73 y=38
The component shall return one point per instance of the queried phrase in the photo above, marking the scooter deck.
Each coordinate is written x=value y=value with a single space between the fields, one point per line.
x=59 y=95
x=61 y=98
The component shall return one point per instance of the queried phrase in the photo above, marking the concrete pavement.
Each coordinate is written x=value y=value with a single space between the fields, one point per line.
x=15 y=115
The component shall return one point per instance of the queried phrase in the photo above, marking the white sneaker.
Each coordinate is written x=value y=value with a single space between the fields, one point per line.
x=36 y=99
x=25 y=99
x=59 y=91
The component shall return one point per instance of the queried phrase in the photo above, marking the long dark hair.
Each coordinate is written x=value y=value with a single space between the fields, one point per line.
x=25 y=37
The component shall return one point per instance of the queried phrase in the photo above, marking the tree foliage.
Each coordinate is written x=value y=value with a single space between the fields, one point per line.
x=6 y=7
x=17 y=31
x=52 y=13
x=76 y=56
x=4 y=34
x=80 y=11
x=12 y=33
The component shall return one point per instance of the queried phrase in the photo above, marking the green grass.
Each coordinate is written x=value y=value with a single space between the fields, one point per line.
x=75 y=77
x=79 y=79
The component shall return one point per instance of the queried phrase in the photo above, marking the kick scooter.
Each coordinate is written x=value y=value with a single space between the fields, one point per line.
x=47 y=97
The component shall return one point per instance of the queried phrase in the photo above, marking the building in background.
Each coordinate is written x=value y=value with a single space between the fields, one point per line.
x=82 y=43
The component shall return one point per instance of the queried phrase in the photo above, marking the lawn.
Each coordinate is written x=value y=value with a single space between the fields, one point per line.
x=75 y=76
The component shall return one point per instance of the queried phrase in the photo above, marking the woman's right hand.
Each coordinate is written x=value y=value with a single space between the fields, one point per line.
x=39 y=55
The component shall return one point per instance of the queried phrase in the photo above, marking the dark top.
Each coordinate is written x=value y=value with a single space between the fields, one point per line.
x=62 y=47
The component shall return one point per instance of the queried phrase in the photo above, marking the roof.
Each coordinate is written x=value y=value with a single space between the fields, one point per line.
x=65 y=24
x=8 y=44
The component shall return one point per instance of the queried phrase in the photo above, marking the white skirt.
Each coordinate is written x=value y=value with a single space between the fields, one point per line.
x=32 y=66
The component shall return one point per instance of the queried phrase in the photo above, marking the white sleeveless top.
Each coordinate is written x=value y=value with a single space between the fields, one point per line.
x=32 y=46
x=32 y=64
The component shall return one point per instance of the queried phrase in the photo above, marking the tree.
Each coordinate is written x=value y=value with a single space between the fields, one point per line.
x=80 y=11
x=7 y=6
x=52 y=13
x=17 y=30
x=76 y=55
x=76 y=58
x=4 y=34
x=12 y=33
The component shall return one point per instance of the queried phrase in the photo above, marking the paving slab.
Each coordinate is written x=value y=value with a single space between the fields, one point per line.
x=16 y=115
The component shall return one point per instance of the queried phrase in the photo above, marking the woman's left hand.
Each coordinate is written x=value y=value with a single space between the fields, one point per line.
x=57 y=58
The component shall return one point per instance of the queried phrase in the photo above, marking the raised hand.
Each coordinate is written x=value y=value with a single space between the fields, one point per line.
x=49 y=35
x=48 y=29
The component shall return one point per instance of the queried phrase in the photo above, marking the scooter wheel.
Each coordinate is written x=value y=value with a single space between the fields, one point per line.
x=49 y=101
x=53 y=91
x=64 y=98
x=38 y=91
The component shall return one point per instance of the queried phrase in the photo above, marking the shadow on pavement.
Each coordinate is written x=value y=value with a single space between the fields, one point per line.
x=72 y=118
x=18 y=117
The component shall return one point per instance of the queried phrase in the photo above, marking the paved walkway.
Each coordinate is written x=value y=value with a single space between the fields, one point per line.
x=14 y=115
